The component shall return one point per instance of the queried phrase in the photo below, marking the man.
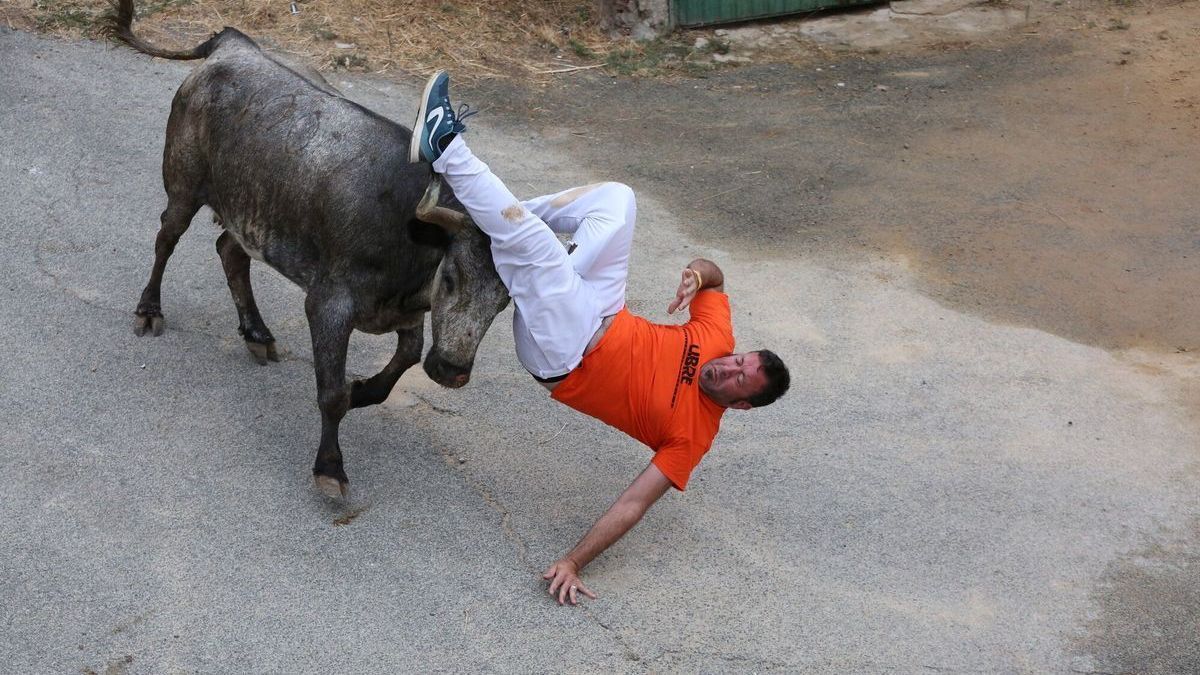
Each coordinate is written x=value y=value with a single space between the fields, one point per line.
x=666 y=386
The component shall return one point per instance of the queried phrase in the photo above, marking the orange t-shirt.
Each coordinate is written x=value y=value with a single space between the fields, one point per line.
x=644 y=379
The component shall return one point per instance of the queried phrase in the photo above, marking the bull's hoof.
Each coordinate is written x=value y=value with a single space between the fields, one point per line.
x=331 y=487
x=143 y=324
x=148 y=317
x=262 y=352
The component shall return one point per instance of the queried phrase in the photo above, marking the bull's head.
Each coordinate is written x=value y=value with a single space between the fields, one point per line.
x=467 y=293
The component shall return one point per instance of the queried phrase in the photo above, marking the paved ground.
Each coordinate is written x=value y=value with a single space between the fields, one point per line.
x=948 y=487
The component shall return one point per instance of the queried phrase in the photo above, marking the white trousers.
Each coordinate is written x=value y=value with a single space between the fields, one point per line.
x=560 y=297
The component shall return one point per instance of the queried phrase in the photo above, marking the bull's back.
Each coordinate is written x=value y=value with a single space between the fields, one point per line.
x=293 y=171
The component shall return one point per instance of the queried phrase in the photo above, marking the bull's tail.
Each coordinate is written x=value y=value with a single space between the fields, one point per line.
x=118 y=25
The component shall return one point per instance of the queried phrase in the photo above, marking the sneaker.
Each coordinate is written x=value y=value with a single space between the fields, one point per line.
x=437 y=124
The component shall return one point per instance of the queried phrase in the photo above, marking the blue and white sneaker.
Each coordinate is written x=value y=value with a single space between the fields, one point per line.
x=437 y=124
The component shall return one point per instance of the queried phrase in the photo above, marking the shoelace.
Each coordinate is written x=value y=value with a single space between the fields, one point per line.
x=464 y=111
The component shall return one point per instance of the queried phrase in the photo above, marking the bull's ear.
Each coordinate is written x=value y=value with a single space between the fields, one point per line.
x=428 y=234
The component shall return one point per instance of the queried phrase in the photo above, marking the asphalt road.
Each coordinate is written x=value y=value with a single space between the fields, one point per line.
x=937 y=494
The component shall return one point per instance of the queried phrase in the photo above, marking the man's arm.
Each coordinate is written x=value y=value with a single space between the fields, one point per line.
x=616 y=521
x=697 y=276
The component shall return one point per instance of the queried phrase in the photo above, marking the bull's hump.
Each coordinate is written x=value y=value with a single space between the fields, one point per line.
x=232 y=38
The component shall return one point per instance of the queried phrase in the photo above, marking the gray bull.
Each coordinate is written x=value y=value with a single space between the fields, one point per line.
x=320 y=189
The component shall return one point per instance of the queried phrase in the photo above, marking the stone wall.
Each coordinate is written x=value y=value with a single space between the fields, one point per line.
x=643 y=19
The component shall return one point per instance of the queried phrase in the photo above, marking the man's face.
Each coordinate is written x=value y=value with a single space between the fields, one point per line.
x=730 y=380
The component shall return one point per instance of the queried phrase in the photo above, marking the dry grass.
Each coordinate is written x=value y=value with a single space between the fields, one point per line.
x=475 y=39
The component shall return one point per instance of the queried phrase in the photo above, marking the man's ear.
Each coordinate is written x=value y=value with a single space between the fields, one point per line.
x=741 y=405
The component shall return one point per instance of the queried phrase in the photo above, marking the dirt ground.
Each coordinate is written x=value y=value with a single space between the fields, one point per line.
x=1039 y=179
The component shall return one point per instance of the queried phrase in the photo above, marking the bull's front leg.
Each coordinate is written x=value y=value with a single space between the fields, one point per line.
x=330 y=313
x=375 y=390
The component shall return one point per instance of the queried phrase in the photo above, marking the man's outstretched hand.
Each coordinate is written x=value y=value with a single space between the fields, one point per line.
x=616 y=521
x=565 y=582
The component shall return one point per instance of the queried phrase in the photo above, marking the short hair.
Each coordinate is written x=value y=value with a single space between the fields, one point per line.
x=778 y=379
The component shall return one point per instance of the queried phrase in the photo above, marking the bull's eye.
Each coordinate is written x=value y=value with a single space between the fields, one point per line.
x=448 y=283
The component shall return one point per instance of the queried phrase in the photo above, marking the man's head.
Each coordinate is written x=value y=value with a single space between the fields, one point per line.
x=743 y=381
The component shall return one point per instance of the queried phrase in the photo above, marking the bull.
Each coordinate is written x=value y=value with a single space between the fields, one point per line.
x=318 y=188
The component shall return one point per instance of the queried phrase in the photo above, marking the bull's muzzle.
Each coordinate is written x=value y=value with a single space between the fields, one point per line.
x=444 y=372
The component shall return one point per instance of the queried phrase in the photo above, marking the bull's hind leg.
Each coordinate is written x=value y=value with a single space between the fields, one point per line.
x=330 y=321
x=175 y=220
x=375 y=390
x=258 y=338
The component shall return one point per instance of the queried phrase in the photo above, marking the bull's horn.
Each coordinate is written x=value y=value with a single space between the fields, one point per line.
x=448 y=219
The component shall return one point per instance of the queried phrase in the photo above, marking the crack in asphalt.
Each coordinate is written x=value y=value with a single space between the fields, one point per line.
x=490 y=499
x=437 y=408
x=509 y=532
x=727 y=658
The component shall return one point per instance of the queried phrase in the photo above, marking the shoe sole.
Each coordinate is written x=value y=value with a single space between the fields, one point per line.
x=418 y=128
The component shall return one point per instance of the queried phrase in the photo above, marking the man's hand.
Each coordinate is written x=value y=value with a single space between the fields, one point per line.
x=697 y=276
x=565 y=581
x=688 y=287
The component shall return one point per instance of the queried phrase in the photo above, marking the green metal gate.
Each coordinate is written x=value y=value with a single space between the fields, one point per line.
x=705 y=12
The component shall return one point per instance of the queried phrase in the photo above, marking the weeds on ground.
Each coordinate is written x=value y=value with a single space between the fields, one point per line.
x=145 y=9
x=59 y=15
x=83 y=18
x=581 y=50
x=349 y=62
x=474 y=38
x=666 y=55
